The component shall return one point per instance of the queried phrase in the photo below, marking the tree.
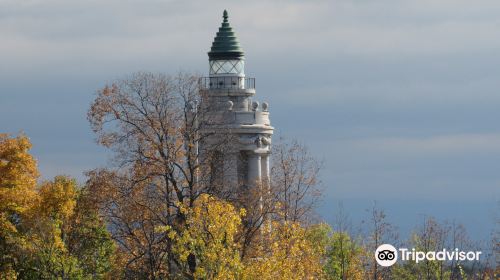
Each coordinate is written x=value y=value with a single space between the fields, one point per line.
x=455 y=236
x=342 y=256
x=64 y=239
x=206 y=248
x=381 y=231
x=286 y=253
x=90 y=242
x=18 y=175
x=152 y=124
x=430 y=236
x=295 y=182
x=47 y=229
x=37 y=222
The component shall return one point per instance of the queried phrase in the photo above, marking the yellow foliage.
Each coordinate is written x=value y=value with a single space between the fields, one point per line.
x=49 y=222
x=208 y=250
x=285 y=253
x=18 y=175
x=208 y=238
x=36 y=224
x=58 y=198
x=355 y=271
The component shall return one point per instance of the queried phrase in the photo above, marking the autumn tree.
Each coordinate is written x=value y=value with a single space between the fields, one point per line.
x=290 y=251
x=44 y=227
x=295 y=182
x=294 y=192
x=18 y=175
x=151 y=122
x=286 y=253
x=211 y=228
x=47 y=229
x=379 y=231
x=64 y=239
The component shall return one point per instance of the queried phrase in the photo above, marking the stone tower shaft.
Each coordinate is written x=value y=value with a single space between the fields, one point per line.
x=233 y=117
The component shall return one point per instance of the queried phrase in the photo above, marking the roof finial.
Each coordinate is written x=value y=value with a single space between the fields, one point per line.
x=225 y=16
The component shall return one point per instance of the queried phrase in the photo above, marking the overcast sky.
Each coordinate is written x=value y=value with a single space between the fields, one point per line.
x=400 y=98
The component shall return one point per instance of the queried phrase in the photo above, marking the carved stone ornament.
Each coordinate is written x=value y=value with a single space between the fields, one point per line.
x=266 y=140
x=259 y=140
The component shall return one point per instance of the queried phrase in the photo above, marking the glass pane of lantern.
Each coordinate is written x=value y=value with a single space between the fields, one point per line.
x=239 y=66
x=226 y=67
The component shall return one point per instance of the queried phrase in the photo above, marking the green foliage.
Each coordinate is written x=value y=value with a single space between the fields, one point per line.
x=89 y=240
x=342 y=257
x=48 y=261
x=320 y=235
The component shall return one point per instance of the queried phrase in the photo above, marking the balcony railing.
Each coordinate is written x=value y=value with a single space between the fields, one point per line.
x=227 y=83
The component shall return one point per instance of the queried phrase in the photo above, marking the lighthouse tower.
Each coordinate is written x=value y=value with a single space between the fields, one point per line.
x=233 y=117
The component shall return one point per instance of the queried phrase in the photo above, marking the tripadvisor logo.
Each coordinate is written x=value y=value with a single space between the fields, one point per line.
x=387 y=255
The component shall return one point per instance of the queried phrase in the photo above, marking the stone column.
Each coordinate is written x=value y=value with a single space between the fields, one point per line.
x=266 y=188
x=254 y=169
x=265 y=172
x=230 y=170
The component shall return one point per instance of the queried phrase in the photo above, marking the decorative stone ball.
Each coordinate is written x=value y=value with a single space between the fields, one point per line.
x=265 y=106
x=255 y=105
x=230 y=105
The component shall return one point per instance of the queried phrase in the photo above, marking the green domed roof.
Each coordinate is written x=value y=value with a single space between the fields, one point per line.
x=225 y=45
